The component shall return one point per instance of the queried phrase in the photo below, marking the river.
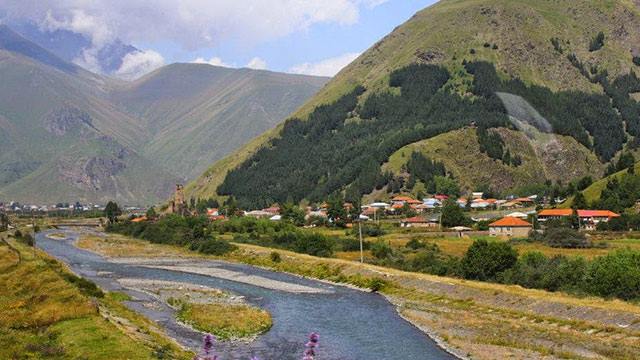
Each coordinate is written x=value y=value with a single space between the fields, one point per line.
x=352 y=324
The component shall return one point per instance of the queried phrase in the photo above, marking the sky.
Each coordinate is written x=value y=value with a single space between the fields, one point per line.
x=314 y=37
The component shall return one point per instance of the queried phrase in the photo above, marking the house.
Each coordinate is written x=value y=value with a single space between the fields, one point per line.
x=258 y=214
x=589 y=219
x=477 y=195
x=419 y=222
x=517 y=214
x=213 y=212
x=432 y=202
x=274 y=210
x=554 y=214
x=139 y=219
x=525 y=201
x=511 y=227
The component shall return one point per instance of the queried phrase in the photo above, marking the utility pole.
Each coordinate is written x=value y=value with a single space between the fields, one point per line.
x=361 y=242
x=33 y=228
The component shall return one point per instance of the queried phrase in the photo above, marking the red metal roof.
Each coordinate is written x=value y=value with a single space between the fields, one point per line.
x=597 y=213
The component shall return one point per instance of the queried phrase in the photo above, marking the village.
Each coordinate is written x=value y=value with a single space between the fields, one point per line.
x=513 y=217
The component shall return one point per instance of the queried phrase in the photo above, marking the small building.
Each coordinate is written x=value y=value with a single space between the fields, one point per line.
x=511 y=227
x=518 y=214
x=418 y=222
x=258 y=214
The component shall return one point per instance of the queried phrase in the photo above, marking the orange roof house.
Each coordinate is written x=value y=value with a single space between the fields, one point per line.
x=510 y=222
x=139 y=219
x=402 y=199
x=510 y=226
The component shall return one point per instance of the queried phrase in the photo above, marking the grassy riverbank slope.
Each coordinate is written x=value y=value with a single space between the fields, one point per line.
x=47 y=313
x=479 y=320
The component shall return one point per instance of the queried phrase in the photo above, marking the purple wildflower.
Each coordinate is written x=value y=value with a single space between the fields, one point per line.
x=311 y=345
x=208 y=352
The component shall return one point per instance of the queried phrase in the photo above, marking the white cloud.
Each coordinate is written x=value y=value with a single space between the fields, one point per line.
x=215 y=61
x=193 y=24
x=327 y=67
x=138 y=63
x=257 y=64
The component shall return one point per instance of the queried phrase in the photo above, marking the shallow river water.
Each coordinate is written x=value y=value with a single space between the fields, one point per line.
x=352 y=324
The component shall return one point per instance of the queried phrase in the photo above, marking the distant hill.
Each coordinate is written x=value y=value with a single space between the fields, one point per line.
x=489 y=64
x=67 y=134
x=198 y=113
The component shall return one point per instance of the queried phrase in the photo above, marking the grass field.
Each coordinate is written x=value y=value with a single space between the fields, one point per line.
x=226 y=321
x=43 y=315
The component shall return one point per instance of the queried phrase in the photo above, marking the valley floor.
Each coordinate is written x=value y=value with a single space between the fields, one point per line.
x=473 y=319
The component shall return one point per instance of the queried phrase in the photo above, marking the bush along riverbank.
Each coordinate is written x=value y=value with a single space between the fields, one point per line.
x=615 y=275
x=199 y=234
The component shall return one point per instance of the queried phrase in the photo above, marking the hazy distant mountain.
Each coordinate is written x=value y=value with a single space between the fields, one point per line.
x=199 y=113
x=69 y=46
x=68 y=134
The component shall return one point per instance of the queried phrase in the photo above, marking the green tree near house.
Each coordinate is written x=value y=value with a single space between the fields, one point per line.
x=292 y=213
x=579 y=201
x=453 y=215
x=486 y=260
x=336 y=212
x=151 y=213
x=112 y=211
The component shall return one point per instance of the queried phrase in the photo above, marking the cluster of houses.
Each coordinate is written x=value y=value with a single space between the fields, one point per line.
x=16 y=207
x=514 y=226
x=475 y=202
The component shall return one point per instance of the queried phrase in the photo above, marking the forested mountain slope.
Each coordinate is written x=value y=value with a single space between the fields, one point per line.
x=67 y=134
x=456 y=64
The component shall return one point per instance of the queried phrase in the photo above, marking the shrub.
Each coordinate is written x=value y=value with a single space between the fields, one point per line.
x=215 y=247
x=563 y=237
x=275 y=257
x=26 y=239
x=597 y=42
x=351 y=244
x=431 y=260
x=314 y=244
x=376 y=284
x=486 y=260
x=381 y=250
x=636 y=60
x=415 y=244
x=85 y=286
x=615 y=274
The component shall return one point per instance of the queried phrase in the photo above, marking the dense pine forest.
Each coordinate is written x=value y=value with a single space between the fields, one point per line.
x=342 y=145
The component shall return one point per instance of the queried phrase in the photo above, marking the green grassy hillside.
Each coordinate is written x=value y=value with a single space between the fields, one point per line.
x=514 y=36
x=459 y=151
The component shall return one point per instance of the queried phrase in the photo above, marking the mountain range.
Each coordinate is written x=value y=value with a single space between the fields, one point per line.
x=506 y=94
x=68 y=134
